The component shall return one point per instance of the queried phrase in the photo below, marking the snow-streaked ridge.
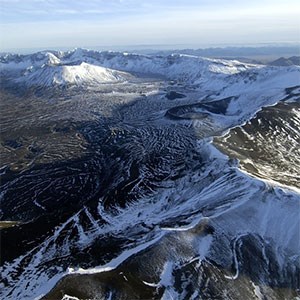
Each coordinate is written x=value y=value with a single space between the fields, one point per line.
x=86 y=66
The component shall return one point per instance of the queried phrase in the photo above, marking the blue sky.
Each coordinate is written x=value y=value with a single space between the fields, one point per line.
x=97 y=23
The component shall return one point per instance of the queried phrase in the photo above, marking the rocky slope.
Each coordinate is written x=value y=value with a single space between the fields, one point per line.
x=117 y=190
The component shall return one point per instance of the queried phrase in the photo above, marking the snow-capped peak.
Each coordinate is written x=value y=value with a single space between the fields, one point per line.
x=82 y=74
x=52 y=59
x=81 y=66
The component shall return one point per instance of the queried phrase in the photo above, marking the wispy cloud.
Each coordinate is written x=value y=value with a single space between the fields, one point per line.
x=14 y=9
x=108 y=22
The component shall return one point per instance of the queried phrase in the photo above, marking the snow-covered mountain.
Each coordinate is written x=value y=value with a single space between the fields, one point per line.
x=120 y=191
x=89 y=67
x=185 y=68
x=83 y=74
x=46 y=69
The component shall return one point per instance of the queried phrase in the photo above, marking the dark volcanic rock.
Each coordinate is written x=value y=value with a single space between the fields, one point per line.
x=174 y=95
x=14 y=144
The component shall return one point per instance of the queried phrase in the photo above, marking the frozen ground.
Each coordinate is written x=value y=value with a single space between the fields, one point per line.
x=119 y=192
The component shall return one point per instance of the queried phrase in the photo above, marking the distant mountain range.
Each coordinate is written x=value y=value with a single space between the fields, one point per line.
x=293 y=60
x=88 y=67
x=256 y=55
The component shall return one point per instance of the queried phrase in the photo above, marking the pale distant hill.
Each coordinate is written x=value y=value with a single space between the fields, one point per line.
x=282 y=61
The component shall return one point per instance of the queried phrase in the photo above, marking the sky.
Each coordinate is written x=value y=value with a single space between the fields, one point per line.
x=111 y=23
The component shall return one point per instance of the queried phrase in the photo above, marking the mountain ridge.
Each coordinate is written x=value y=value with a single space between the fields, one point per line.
x=83 y=67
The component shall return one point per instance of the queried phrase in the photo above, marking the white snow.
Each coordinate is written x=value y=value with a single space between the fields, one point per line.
x=166 y=277
x=204 y=246
x=257 y=292
x=83 y=74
